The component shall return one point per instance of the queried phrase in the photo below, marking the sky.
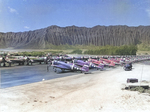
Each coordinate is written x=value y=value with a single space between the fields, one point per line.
x=28 y=15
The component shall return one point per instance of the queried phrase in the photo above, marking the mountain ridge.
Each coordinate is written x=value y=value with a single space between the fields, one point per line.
x=73 y=35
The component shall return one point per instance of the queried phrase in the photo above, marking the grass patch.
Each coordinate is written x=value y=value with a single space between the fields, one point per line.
x=89 y=49
x=37 y=53
x=145 y=46
x=140 y=89
x=77 y=51
x=139 y=52
x=112 y=50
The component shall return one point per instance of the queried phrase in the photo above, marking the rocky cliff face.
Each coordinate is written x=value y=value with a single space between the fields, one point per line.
x=72 y=35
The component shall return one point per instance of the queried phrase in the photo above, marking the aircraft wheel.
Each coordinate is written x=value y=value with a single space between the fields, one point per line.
x=62 y=70
x=55 y=70
x=4 y=65
x=124 y=68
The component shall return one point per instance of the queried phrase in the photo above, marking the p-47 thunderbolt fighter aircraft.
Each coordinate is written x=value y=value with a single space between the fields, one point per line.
x=91 y=65
x=69 y=66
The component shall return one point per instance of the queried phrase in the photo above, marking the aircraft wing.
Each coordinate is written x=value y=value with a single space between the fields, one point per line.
x=112 y=64
x=61 y=66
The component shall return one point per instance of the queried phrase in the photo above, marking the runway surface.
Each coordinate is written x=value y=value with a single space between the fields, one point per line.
x=20 y=75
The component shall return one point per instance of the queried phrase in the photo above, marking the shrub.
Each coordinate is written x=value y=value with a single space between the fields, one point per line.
x=139 y=89
x=77 y=51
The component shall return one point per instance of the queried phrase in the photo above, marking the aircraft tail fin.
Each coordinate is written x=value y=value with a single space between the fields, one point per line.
x=4 y=60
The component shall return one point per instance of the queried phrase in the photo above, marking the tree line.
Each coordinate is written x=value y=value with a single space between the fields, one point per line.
x=113 y=50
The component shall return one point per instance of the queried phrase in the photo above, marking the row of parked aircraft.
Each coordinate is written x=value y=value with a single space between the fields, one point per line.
x=78 y=63
x=83 y=64
x=21 y=60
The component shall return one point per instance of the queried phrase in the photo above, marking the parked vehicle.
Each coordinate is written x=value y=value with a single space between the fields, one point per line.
x=128 y=67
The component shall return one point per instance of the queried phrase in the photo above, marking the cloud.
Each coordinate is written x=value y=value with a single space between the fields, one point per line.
x=148 y=12
x=26 y=27
x=13 y=10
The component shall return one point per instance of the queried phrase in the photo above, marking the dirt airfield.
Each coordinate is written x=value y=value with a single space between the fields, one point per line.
x=100 y=91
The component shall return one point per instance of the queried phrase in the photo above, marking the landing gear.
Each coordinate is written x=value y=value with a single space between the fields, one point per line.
x=9 y=64
x=55 y=70
x=4 y=65
x=62 y=70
